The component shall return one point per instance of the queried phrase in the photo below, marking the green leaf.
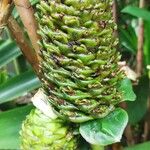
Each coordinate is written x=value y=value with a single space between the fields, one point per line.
x=33 y=2
x=128 y=39
x=18 y=86
x=140 y=105
x=125 y=86
x=143 y=146
x=3 y=77
x=137 y=12
x=10 y=125
x=147 y=43
x=107 y=130
x=8 y=52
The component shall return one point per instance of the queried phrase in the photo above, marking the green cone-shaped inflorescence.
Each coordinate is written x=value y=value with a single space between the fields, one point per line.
x=40 y=132
x=79 y=65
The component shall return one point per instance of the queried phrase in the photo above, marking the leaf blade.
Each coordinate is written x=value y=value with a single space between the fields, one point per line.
x=125 y=87
x=8 y=51
x=143 y=146
x=18 y=86
x=137 y=12
x=107 y=130
x=10 y=125
x=140 y=105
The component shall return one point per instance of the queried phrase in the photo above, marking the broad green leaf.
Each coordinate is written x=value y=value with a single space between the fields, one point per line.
x=125 y=86
x=143 y=146
x=8 y=52
x=33 y=2
x=107 y=130
x=3 y=77
x=148 y=68
x=147 y=43
x=10 y=125
x=128 y=39
x=137 y=12
x=140 y=105
x=18 y=86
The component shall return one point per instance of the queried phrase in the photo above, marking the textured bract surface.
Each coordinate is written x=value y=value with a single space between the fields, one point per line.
x=39 y=132
x=79 y=66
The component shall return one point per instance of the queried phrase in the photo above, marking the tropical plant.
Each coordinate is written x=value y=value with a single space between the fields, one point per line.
x=84 y=80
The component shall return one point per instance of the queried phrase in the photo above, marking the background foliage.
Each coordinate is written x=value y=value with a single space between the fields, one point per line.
x=18 y=81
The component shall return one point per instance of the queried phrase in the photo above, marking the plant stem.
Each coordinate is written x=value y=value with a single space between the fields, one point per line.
x=27 y=51
x=5 y=10
x=97 y=147
x=139 y=57
x=26 y=13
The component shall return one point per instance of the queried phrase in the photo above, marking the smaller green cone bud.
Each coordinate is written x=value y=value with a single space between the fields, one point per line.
x=39 y=132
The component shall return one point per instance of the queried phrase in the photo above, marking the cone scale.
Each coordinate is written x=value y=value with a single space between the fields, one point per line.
x=79 y=69
x=39 y=132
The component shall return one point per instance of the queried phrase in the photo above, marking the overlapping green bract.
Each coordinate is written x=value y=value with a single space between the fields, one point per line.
x=40 y=132
x=79 y=66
